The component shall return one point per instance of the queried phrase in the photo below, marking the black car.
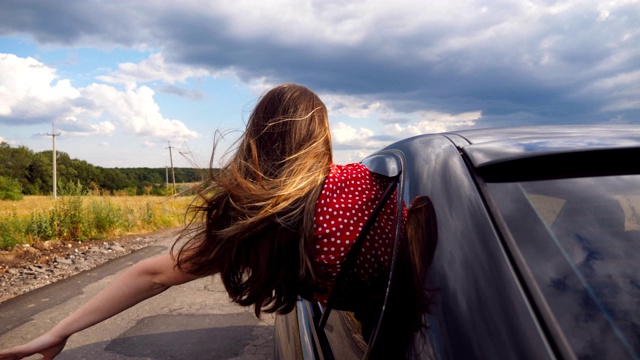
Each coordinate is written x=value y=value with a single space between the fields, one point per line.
x=527 y=247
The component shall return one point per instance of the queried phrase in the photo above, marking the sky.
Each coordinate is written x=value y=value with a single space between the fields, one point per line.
x=133 y=83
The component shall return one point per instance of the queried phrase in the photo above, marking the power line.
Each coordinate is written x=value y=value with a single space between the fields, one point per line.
x=191 y=158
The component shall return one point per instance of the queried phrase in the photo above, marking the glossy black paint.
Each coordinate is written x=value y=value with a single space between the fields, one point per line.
x=486 y=146
x=486 y=306
x=480 y=311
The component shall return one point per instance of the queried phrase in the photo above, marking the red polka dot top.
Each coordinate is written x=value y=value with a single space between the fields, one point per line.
x=349 y=196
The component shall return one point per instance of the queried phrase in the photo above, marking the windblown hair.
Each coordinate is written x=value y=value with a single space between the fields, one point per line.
x=254 y=224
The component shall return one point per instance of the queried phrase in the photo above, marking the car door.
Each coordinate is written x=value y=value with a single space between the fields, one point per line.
x=479 y=309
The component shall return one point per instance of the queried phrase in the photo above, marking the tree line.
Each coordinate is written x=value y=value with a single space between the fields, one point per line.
x=31 y=173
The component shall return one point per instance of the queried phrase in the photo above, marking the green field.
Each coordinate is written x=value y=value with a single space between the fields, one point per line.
x=85 y=217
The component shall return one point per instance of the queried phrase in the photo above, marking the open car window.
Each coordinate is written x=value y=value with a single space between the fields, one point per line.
x=355 y=308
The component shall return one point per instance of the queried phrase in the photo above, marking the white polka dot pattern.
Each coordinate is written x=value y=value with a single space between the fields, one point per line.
x=348 y=197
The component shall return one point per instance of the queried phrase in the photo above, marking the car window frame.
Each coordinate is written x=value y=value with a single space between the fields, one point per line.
x=390 y=164
x=436 y=168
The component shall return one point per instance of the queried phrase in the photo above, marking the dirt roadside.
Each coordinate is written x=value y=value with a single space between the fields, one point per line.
x=27 y=268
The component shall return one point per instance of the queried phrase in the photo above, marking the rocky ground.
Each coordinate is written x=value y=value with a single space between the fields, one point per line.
x=27 y=268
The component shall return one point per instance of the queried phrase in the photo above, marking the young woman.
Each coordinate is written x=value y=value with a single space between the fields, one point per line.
x=274 y=223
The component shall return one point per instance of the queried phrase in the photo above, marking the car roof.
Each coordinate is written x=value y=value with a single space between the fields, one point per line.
x=489 y=146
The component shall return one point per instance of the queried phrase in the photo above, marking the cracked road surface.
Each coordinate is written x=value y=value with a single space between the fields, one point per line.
x=192 y=321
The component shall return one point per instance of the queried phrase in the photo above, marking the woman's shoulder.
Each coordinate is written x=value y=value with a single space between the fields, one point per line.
x=347 y=175
x=352 y=169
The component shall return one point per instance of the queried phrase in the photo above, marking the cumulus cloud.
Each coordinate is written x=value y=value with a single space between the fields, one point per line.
x=433 y=122
x=345 y=136
x=501 y=57
x=351 y=106
x=396 y=120
x=136 y=111
x=32 y=93
x=620 y=91
x=151 y=69
x=72 y=126
x=181 y=92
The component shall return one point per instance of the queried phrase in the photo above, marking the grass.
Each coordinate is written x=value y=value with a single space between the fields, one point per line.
x=84 y=217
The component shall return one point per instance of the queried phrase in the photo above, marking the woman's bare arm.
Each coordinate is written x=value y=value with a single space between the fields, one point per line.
x=141 y=281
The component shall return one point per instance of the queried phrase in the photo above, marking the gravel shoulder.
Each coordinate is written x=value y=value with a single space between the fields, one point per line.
x=27 y=268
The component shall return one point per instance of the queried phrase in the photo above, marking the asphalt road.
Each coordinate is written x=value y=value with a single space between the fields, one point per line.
x=191 y=321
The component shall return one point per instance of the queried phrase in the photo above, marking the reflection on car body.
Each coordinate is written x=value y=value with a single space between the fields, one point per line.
x=521 y=243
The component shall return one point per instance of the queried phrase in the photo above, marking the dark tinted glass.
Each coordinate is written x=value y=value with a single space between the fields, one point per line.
x=580 y=239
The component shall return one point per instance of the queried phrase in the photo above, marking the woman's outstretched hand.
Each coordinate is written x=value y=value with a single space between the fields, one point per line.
x=47 y=345
x=141 y=281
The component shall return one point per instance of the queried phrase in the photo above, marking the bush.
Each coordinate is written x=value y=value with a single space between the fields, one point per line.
x=75 y=217
x=104 y=217
x=41 y=226
x=71 y=224
x=73 y=189
x=7 y=235
x=10 y=189
x=11 y=231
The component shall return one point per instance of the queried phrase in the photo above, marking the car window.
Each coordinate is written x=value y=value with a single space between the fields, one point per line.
x=350 y=332
x=350 y=321
x=580 y=238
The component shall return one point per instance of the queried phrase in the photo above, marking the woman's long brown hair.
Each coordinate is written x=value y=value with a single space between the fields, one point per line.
x=254 y=224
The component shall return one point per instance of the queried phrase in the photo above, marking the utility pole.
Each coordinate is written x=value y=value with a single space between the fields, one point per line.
x=173 y=174
x=55 y=185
